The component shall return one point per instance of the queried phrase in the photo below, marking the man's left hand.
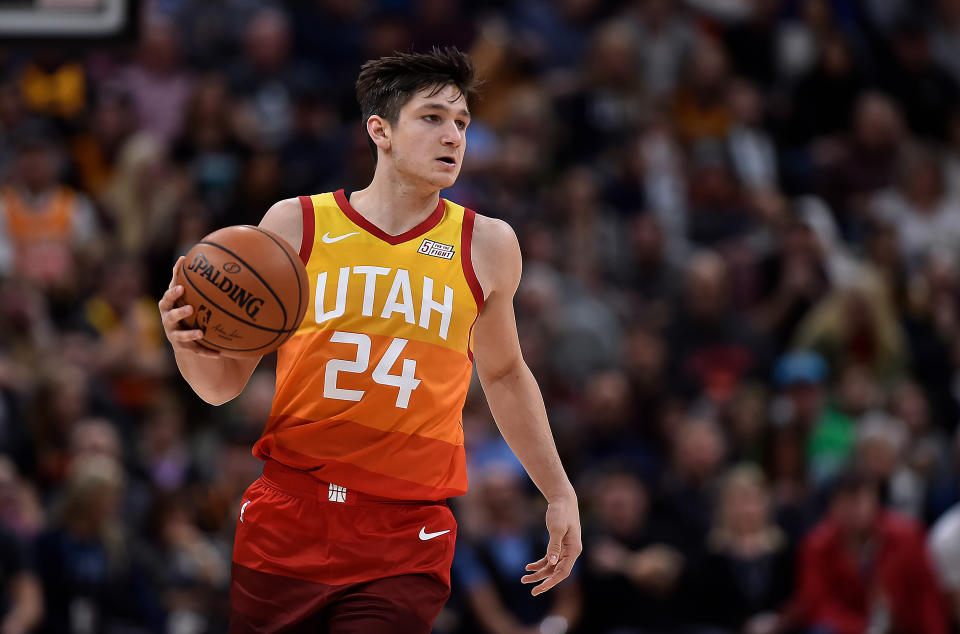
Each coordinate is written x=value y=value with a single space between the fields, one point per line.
x=563 y=524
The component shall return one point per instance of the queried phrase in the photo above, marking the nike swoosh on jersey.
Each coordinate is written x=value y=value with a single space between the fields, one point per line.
x=327 y=239
x=424 y=535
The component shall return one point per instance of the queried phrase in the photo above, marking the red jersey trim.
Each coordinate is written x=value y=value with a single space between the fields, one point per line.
x=429 y=223
x=466 y=244
x=306 y=243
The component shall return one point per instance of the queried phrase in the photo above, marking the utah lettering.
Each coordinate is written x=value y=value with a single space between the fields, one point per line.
x=398 y=300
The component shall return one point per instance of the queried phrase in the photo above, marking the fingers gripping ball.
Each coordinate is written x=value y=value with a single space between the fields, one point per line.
x=248 y=289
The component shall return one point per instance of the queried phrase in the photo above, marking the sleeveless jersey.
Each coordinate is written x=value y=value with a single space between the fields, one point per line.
x=371 y=387
x=41 y=236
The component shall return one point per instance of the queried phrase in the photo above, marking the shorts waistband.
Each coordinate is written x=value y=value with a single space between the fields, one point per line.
x=302 y=484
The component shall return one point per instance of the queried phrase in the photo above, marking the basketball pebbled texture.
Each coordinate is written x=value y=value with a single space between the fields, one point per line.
x=248 y=289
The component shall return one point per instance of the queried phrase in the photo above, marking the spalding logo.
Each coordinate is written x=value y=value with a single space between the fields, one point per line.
x=243 y=298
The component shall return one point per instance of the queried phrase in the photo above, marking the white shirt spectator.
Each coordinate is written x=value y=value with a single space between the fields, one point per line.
x=920 y=231
x=944 y=542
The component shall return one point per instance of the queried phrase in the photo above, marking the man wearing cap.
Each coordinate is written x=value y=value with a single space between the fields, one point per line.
x=800 y=376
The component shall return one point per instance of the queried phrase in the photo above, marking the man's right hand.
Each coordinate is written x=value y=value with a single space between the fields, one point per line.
x=181 y=338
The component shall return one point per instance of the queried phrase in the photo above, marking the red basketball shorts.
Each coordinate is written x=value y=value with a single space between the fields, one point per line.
x=311 y=556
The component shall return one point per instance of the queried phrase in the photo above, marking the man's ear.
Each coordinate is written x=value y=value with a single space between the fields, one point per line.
x=379 y=130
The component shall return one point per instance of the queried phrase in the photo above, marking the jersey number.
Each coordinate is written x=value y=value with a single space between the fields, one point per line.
x=404 y=381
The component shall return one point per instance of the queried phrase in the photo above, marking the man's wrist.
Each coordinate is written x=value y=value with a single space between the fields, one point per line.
x=567 y=494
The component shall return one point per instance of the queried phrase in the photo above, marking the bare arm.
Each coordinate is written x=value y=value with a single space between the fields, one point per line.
x=515 y=399
x=216 y=378
x=26 y=607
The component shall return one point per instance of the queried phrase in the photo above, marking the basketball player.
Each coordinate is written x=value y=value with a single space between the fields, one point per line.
x=348 y=529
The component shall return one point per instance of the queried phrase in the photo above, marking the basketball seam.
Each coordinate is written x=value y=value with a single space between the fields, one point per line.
x=277 y=333
x=266 y=345
x=294 y=265
x=186 y=275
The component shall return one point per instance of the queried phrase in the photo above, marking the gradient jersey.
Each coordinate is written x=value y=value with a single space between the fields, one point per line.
x=370 y=389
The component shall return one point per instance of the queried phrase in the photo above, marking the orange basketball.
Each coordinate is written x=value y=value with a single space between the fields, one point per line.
x=248 y=289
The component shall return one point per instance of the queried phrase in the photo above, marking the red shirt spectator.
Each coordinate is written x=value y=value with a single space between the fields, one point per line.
x=863 y=568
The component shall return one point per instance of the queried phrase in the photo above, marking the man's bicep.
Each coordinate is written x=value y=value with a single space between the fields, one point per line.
x=496 y=343
x=497 y=260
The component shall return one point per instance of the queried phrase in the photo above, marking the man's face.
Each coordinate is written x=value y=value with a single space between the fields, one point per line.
x=856 y=511
x=429 y=138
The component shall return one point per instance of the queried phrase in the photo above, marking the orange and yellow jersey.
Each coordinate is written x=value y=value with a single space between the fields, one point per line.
x=370 y=388
x=42 y=234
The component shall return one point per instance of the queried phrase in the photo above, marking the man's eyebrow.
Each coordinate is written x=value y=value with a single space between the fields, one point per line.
x=437 y=105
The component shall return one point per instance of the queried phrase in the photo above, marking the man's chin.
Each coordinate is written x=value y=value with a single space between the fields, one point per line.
x=443 y=181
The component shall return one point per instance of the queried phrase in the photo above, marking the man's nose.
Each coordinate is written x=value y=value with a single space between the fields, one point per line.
x=453 y=135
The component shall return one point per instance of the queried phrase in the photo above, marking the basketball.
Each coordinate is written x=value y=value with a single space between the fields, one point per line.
x=248 y=289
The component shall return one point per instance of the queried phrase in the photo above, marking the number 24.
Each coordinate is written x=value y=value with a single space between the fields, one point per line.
x=405 y=381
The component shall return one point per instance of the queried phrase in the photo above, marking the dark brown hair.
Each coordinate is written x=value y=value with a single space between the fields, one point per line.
x=386 y=84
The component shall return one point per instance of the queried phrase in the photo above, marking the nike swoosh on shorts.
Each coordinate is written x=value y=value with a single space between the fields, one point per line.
x=424 y=535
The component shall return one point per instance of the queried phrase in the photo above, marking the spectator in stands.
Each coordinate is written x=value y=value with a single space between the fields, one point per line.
x=685 y=495
x=158 y=81
x=664 y=39
x=867 y=164
x=610 y=99
x=96 y=150
x=920 y=209
x=45 y=225
x=926 y=91
x=802 y=410
x=265 y=77
x=945 y=490
x=711 y=350
x=21 y=598
x=632 y=567
x=745 y=578
x=945 y=551
x=93 y=575
x=131 y=357
x=210 y=149
x=486 y=563
x=751 y=148
x=700 y=107
x=193 y=572
x=855 y=324
x=823 y=99
x=865 y=569
x=792 y=280
x=163 y=452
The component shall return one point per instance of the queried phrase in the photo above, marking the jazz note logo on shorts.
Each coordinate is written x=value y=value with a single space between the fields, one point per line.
x=436 y=249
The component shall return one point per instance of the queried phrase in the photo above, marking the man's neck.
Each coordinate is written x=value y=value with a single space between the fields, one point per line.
x=393 y=205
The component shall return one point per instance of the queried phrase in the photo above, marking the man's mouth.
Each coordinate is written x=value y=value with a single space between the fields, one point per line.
x=449 y=160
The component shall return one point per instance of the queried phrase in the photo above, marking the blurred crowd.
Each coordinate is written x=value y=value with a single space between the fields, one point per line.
x=741 y=297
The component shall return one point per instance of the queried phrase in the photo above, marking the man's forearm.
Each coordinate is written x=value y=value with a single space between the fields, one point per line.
x=518 y=409
x=216 y=381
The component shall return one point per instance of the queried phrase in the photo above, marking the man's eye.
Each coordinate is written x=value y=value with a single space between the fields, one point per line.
x=432 y=117
x=462 y=125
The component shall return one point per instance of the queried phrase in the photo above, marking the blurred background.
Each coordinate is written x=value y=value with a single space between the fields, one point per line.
x=741 y=297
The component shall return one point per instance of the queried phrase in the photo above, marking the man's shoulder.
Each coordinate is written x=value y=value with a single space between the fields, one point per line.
x=492 y=233
x=822 y=538
x=495 y=254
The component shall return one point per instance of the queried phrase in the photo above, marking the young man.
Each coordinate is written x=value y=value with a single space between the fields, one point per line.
x=348 y=530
